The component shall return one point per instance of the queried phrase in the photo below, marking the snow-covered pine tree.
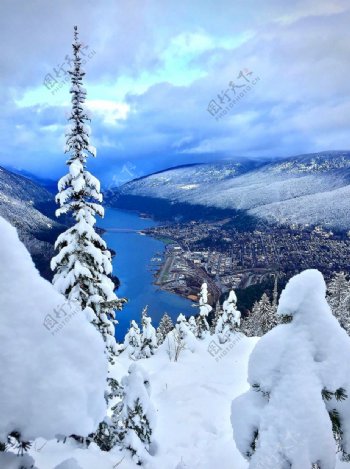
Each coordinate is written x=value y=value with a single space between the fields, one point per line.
x=339 y=299
x=266 y=315
x=148 y=336
x=296 y=413
x=204 y=310
x=261 y=319
x=110 y=430
x=229 y=320
x=217 y=315
x=138 y=414
x=165 y=326
x=83 y=264
x=132 y=341
x=192 y=324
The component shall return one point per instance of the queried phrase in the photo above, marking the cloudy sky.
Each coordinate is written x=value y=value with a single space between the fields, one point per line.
x=154 y=67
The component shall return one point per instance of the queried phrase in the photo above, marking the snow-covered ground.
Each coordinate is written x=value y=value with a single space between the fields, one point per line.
x=192 y=398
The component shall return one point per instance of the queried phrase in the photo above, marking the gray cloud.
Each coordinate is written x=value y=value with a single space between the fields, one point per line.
x=300 y=51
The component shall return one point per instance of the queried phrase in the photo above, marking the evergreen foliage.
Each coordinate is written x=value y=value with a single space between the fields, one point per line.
x=83 y=263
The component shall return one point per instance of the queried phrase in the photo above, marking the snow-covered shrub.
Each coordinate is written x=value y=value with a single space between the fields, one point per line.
x=204 y=310
x=132 y=341
x=192 y=324
x=180 y=338
x=297 y=411
x=229 y=320
x=53 y=366
x=148 y=337
x=138 y=414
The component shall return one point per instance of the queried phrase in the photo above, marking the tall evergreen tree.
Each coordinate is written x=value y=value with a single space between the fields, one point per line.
x=83 y=264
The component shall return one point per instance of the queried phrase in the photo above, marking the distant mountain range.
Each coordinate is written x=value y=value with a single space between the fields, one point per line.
x=30 y=208
x=306 y=189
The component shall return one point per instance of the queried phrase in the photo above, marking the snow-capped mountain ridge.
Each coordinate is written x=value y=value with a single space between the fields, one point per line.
x=312 y=189
x=24 y=204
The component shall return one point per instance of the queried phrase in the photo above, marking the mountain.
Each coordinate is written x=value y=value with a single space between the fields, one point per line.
x=48 y=184
x=30 y=208
x=305 y=189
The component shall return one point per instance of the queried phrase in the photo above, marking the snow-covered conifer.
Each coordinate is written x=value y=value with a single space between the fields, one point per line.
x=192 y=324
x=217 y=315
x=138 y=414
x=339 y=299
x=180 y=338
x=165 y=326
x=83 y=264
x=110 y=430
x=229 y=320
x=261 y=319
x=132 y=341
x=297 y=411
x=182 y=326
x=148 y=336
x=204 y=310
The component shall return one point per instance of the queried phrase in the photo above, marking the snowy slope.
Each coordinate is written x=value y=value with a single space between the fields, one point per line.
x=49 y=383
x=302 y=189
x=19 y=199
x=192 y=398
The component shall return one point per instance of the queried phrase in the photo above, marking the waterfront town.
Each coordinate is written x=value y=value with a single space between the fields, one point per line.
x=226 y=258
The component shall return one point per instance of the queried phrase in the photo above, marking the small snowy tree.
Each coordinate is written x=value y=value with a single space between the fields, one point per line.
x=148 y=336
x=217 y=315
x=132 y=340
x=138 y=414
x=204 y=310
x=192 y=324
x=229 y=320
x=297 y=412
x=83 y=264
x=339 y=299
x=180 y=338
x=110 y=430
x=165 y=326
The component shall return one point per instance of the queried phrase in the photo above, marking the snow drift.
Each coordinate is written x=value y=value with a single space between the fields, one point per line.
x=299 y=375
x=53 y=367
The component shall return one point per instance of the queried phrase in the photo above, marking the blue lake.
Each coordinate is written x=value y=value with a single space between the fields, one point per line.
x=133 y=266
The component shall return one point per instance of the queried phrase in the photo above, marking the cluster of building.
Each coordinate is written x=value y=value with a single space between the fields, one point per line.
x=219 y=253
